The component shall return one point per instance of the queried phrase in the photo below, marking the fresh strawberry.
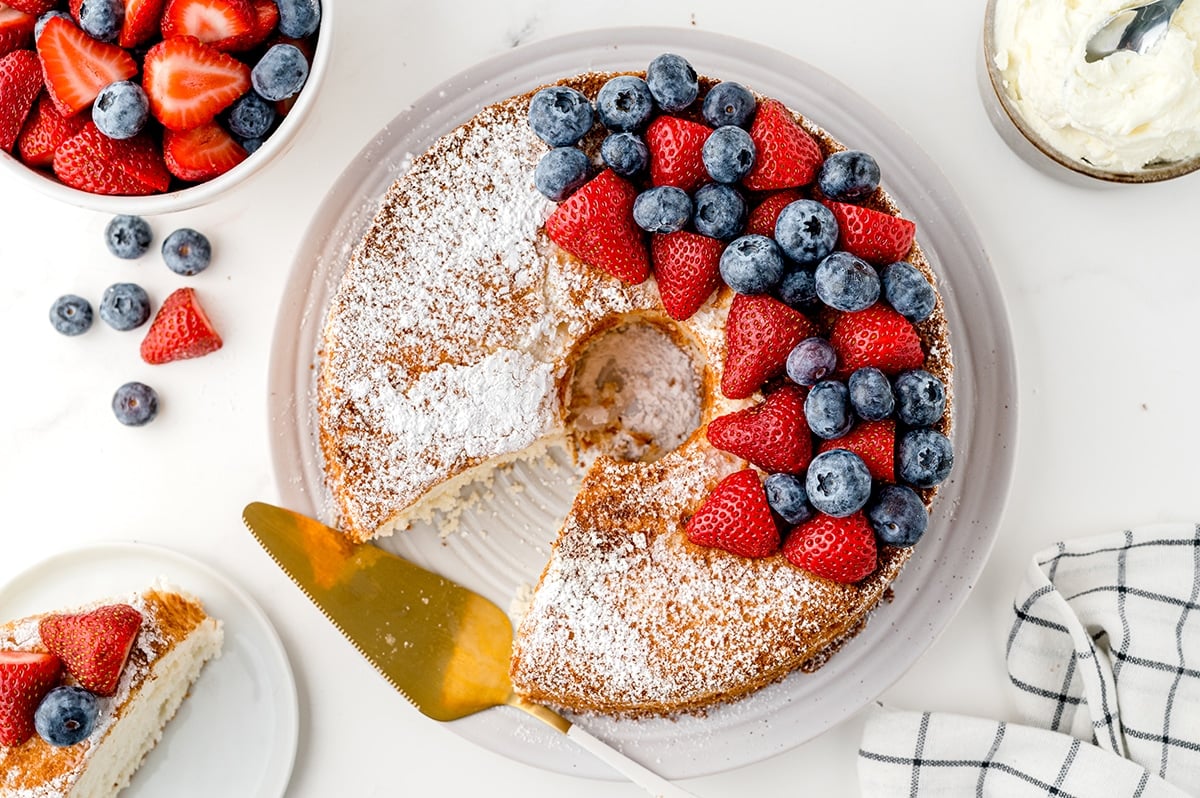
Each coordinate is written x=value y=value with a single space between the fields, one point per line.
x=772 y=434
x=91 y=161
x=841 y=549
x=736 y=517
x=16 y=29
x=675 y=158
x=46 y=129
x=878 y=337
x=93 y=646
x=20 y=84
x=76 y=66
x=266 y=19
x=759 y=334
x=211 y=21
x=595 y=224
x=875 y=443
x=34 y=7
x=189 y=83
x=180 y=330
x=787 y=155
x=143 y=21
x=874 y=236
x=75 y=7
x=686 y=267
x=766 y=213
x=201 y=153
x=25 y=678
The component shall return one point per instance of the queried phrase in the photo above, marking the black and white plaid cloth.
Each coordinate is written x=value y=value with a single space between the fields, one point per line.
x=1104 y=653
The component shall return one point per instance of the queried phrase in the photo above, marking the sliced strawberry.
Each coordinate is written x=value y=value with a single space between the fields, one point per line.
x=686 y=267
x=874 y=236
x=201 y=153
x=20 y=84
x=93 y=646
x=759 y=334
x=595 y=224
x=840 y=549
x=211 y=21
x=772 y=434
x=787 y=156
x=736 y=517
x=76 y=66
x=878 y=337
x=189 y=83
x=92 y=162
x=875 y=443
x=266 y=19
x=143 y=21
x=180 y=330
x=675 y=152
x=34 y=7
x=45 y=130
x=75 y=7
x=766 y=213
x=16 y=29
x=25 y=678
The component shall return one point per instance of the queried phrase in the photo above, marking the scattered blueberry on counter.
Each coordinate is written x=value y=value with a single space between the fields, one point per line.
x=128 y=237
x=187 y=252
x=71 y=315
x=125 y=306
x=135 y=404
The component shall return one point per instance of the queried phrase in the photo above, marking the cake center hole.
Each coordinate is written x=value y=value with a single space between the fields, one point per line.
x=635 y=393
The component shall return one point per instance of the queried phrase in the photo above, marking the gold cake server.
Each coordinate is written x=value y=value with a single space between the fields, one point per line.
x=443 y=647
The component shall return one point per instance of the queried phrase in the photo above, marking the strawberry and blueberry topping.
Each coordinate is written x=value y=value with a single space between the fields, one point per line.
x=25 y=678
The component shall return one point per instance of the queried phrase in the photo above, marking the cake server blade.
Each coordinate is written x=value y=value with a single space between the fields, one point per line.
x=443 y=647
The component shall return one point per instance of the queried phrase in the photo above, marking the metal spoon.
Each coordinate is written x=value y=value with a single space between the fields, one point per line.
x=1137 y=29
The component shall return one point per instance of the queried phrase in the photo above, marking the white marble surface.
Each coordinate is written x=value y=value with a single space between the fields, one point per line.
x=1101 y=286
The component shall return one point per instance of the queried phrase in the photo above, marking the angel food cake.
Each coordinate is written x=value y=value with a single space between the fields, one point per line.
x=85 y=693
x=807 y=356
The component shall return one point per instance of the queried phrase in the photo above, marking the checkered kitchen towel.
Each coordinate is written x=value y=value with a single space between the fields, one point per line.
x=1104 y=653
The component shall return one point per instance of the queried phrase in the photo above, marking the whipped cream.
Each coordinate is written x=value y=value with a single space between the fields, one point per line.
x=1119 y=113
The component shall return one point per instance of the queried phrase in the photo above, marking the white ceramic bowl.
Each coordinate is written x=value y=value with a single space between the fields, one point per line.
x=202 y=193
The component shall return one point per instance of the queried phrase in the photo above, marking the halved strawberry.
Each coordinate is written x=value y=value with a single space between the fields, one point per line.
x=595 y=224
x=91 y=161
x=25 y=678
x=766 y=213
x=760 y=332
x=878 y=337
x=76 y=66
x=686 y=267
x=180 y=330
x=34 y=7
x=736 y=517
x=143 y=21
x=45 y=130
x=675 y=152
x=874 y=442
x=266 y=19
x=787 y=155
x=772 y=435
x=189 y=83
x=874 y=236
x=840 y=549
x=201 y=153
x=16 y=29
x=20 y=84
x=211 y=21
x=93 y=646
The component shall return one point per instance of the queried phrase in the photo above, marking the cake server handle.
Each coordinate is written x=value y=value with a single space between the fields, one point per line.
x=651 y=782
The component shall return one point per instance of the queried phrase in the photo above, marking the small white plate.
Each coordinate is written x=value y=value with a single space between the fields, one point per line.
x=236 y=734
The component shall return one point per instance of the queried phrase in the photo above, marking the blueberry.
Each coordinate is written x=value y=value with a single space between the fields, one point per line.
x=811 y=361
x=898 y=515
x=838 y=483
x=752 y=265
x=186 y=252
x=806 y=231
x=920 y=398
x=624 y=104
x=250 y=117
x=673 y=82
x=907 y=291
x=664 y=209
x=871 y=394
x=560 y=116
x=127 y=237
x=847 y=283
x=848 y=176
x=101 y=19
x=44 y=18
x=124 y=306
x=299 y=18
x=625 y=153
x=827 y=408
x=135 y=404
x=729 y=103
x=66 y=716
x=121 y=110
x=71 y=315
x=798 y=287
x=720 y=211
x=787 y=497
x=924 y=457
x=561 y=171
x=728 y=154
x=280 y=73
x=250 y=145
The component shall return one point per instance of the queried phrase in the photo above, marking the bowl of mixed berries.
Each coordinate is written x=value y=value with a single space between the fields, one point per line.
x=150 y=106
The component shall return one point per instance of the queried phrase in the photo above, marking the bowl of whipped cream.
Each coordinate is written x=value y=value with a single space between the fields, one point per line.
x=1127 y=118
